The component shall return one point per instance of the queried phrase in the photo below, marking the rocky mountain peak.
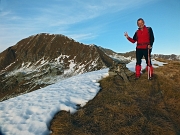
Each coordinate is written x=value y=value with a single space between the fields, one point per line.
x=43 y=59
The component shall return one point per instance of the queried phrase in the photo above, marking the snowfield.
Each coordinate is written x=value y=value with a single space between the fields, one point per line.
x=31 y=113
x=155 y=63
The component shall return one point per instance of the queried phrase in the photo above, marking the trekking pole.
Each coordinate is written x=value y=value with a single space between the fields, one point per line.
x=149 y=71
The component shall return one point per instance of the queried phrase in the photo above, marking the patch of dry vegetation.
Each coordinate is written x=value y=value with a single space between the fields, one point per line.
x=141 y=107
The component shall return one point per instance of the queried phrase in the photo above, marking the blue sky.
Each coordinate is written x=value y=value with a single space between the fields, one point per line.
x=100 y=22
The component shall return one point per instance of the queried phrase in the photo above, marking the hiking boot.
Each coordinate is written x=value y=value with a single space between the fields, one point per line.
x=150 y=78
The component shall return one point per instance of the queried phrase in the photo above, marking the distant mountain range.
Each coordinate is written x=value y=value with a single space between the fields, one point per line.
x=132 y=54
x=167 y=57
x=44 y=59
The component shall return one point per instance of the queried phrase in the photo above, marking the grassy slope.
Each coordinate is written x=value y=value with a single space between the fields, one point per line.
x=141 y=107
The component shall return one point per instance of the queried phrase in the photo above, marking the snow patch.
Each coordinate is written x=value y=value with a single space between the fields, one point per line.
x=31 y=113
x=155 y=63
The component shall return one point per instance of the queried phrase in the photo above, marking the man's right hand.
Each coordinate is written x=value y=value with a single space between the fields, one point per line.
x=126 y=34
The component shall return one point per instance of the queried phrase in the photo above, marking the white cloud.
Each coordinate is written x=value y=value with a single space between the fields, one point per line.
x=79 y=37
x=4 y=13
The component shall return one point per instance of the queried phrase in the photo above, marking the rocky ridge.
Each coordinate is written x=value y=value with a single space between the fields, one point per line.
x=43 y=59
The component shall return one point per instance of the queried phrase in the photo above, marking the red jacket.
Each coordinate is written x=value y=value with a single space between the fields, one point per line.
x=143 y=37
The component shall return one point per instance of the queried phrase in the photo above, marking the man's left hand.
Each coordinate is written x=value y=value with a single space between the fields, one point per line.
x=149 y=47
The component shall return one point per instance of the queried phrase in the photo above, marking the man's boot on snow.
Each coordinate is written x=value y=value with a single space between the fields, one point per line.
x=138 y=71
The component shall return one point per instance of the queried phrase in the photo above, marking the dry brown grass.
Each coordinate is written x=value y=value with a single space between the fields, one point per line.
x=143 y=108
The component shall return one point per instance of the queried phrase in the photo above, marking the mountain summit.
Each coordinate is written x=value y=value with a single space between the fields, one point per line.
x=43 y=59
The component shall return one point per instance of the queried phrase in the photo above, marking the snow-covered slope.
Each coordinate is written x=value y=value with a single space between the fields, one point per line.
x=31 y=113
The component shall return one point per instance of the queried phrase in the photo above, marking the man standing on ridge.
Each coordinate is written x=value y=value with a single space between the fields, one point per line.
x=145 y=38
